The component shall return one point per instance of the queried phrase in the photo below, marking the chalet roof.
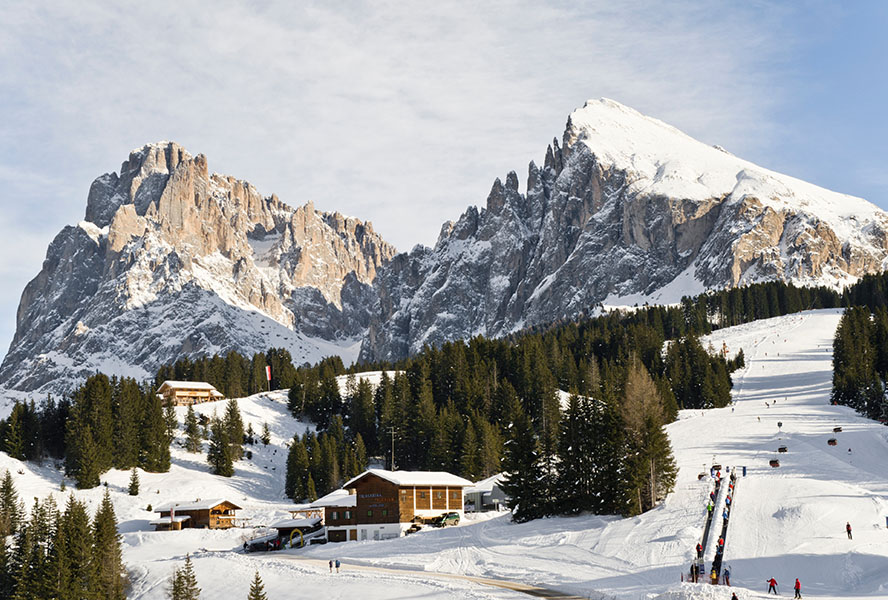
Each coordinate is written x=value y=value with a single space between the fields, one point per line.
x=486 y=485
x=177 y=519
x=337 y=498
x=189 y=385
x=296 y=523
x=194 y=505
x=414 y=478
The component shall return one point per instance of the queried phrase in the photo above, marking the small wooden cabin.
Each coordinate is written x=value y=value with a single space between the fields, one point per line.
x=183 y=393
x=200 y=514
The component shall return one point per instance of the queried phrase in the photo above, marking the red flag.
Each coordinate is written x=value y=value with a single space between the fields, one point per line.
x=268 y=373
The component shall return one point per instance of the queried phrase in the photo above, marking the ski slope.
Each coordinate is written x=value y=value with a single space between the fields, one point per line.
x=787 y=522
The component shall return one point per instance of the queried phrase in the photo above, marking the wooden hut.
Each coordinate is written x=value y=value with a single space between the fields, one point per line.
x=183 y=393
x=204 y=514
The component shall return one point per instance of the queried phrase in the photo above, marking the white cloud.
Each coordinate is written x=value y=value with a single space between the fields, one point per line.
x=399 y=113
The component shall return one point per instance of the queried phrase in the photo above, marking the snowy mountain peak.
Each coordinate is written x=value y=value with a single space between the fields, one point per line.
x=171 y=261
x=627 y=209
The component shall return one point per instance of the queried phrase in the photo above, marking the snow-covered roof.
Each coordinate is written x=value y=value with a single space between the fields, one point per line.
x=296 y=523
x=189 y=385
x=193 y=505
x=336 y=498
x=486 y=485
x=177 y=519
x=414 y=478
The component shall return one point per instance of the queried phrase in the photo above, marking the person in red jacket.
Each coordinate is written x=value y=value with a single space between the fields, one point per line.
x=848 y=529
x=772 y=586
x=798 y=588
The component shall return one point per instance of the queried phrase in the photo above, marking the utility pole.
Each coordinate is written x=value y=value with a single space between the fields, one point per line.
x=392 y=431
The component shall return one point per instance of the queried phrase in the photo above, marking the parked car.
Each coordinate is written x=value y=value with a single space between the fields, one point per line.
x=451 y=518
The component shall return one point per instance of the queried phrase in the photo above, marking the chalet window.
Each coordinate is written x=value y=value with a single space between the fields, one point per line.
x=348 y=514
x=369 y=513
x=422 y=495
x=439 y=495
x=385 y=512
x=335 y=516
x=454 y=495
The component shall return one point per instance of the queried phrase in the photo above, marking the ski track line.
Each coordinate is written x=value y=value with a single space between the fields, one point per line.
x=515 y=586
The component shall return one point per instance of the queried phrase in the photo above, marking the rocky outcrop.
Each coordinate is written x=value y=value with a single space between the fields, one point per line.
x=172 y=260
x=626 y=209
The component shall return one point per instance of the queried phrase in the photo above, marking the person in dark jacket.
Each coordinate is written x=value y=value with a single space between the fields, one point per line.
x=734 y=596
x=772 y=586
x=727 y=576
x=848 y=529
x=798 y=588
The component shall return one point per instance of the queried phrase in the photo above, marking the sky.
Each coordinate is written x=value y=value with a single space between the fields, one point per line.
x=404 y=113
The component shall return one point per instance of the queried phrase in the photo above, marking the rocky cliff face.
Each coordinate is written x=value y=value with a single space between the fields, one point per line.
x=626 y=209
x=171 y=260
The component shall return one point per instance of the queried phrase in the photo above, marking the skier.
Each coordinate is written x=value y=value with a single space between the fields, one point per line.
x=727 y=575
x=331 y=565
x=734 y=596
x=709 y=508
x=725 y=515
x=772 y=586
x=848 y=529
x=728 y=501
x=798 y=588
x=699 y=550
x=337 y=565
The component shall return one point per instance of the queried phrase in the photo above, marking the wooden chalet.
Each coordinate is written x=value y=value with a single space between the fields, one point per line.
x=183 y=393
x=200 y=514
x=386 y=503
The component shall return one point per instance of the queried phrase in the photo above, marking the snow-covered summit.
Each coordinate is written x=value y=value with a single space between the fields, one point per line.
x=663 y=160
x=625 y=209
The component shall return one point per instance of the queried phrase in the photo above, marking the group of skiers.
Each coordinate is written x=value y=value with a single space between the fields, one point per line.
x=772 y=587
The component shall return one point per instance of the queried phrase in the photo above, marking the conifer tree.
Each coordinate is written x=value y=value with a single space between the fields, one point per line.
x=360 y=456
x=155 y=453
x=651 y=467
x=193 y=438
x=170 y=421
x=134 y=482
x=234 y=429
x=127 y=408
x=297 y=471
x=524 y=473
x=87 y=466
x=310 y=492
x=10 y=509
x=75 y=538
x=183 y=585
x=14 y=444
x=257 y=589
x=111 y=576
x=266 y=435
x=219 y=453
x=470 y=456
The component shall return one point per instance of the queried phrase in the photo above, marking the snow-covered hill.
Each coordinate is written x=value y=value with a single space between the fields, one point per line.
x=787 y=522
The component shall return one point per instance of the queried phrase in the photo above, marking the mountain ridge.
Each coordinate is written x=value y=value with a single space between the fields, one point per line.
x=625 y=208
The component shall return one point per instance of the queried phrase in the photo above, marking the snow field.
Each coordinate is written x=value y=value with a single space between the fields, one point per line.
x=786 y=522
